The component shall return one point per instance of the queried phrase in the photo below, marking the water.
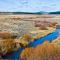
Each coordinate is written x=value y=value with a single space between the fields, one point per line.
x=50 y=37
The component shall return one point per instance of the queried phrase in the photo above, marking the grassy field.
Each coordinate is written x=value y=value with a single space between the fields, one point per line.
x=21 y=24
x=32 y=17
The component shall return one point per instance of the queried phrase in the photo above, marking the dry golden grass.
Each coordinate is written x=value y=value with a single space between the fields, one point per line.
x=25 y=39
x=7 y=45
x=46 y=51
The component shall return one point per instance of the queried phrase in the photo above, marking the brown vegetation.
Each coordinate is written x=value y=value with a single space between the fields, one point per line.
x=57 y=26
x=6 y=35
x=44 y=24
x=26 y=37
x=46 y=51
x=8 y=46
x=25 y=40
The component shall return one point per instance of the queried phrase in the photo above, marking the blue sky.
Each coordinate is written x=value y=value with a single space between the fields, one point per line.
x=29 y=5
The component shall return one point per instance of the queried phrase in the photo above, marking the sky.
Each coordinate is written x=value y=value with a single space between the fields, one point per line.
x=29 y=5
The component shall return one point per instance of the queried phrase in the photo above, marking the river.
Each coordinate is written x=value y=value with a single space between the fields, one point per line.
x=50 y=38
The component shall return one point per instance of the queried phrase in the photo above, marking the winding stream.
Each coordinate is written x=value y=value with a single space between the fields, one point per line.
x=50 y=37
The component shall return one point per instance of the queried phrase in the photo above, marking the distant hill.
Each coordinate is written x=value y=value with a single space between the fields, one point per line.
x=1 y=13
x=57 y=12
x=40 y=13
